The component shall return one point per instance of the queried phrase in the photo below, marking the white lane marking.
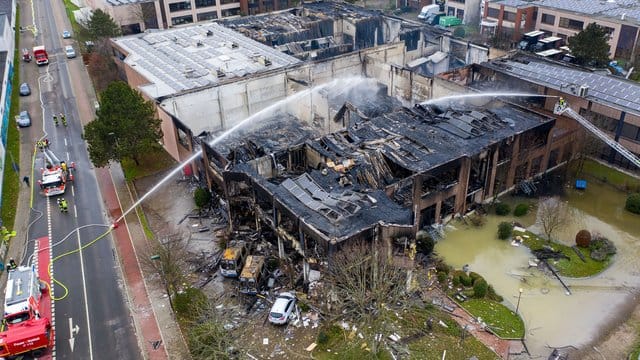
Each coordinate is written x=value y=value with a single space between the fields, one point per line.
x=73 y=191
x=75 y=210
x=68 y=158
x=65 y=141
x=84 y=290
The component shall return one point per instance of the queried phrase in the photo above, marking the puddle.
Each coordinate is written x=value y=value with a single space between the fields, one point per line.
x=552 y=318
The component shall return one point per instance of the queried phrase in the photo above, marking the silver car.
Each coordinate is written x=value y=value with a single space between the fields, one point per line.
x=25 y=89
x=282 y=308
x=23 y=119
x=69 y=51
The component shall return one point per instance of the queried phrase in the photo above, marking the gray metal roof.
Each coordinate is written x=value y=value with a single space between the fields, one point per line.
x=594 y=8
x=614 y=91
x=6 y=8
x=196 y=56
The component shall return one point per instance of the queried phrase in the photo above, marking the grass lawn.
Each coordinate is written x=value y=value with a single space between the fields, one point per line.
x=150 y=163
x=11 y=179
x=504 y=322
x=574 y=267
x=411 y=327
x=610 y=175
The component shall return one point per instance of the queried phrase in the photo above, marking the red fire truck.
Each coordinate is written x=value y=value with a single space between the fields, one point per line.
x=24 y=330
x=55 y=175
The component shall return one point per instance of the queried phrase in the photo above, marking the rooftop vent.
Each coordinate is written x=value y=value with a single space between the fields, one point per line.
x=220 y=73
x=199 y=44
x=264 y=61
x=209 y=33
x=231 y=44
x=584 y=91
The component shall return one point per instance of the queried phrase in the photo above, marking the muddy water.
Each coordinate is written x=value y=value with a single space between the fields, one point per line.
x=553 y=318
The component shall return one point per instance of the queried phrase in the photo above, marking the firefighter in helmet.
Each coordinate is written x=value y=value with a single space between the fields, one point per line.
x=62 y=204
x=562 y=102
x=12 y=265
x=55 y=120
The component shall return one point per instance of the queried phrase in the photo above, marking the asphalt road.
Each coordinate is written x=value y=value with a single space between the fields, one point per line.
x=92 y=319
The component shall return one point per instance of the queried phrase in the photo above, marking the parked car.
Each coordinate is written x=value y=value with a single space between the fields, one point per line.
x=23 y=119
x=25 y=55
x=71 y=53
x=25 y=90
x=282 y=308
x=66 y=34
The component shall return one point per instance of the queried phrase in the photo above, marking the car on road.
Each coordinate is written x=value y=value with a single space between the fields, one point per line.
x=66 y=34
x=282 y=308
x=23 y=119
x=71 y=53
x=25 y=90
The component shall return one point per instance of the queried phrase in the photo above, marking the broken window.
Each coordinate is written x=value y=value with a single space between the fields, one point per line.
x=448 y=207
x=553 y=158
x=428 y=216
x=535 y=166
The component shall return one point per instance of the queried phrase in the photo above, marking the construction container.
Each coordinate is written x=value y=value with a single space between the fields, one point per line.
x=447 y=21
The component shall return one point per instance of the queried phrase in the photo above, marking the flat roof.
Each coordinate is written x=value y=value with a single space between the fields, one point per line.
x=549 y=52
x=534 y=33
x=592 y=8
x=609 y=90
x=550 y=39
x=196 y=56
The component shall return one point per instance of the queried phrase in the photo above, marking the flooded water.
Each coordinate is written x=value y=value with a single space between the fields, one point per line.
x=552 y=318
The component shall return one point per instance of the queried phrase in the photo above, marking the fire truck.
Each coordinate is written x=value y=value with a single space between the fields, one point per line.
x=24 y=330
x=55 y=175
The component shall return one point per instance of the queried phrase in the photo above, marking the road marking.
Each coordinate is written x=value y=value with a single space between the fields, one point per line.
x=84 y=290
x=72 y=331
x=68 y=158
x=65 y=141
x=73 y=191
x=75 y=210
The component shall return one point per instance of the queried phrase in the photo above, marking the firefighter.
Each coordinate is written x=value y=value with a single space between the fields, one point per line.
x=55 y=120
x=64 y=119
x=12 y=265
x=562 y=102
x=62 y=204
x=63 y=166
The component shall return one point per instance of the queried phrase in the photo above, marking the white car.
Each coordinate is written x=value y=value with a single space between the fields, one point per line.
x=282 y=308
x=71 y=53
x=66 y=34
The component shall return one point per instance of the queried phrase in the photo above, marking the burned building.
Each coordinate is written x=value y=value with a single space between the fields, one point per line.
x=388 y=172
x=320 y=30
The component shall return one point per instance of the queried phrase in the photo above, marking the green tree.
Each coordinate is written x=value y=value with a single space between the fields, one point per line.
x=591 y=45
x=125 y=126
x=101 y=25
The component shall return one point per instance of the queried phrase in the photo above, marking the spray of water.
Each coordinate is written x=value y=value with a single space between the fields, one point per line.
x=342 y=84
x=480 y=95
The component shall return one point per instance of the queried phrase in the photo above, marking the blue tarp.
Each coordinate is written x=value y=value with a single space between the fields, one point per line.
x=581 y=184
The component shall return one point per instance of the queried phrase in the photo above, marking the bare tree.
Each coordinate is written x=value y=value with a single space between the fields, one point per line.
x=364 y=280
x=552 y=215
x=205 y=334
x=167 y=259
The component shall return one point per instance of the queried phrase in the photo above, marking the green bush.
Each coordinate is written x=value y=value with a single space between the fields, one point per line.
x=325 y=335
x=441 y=266
x=190 y=303
x=503 y=209
x=441 y=277
x=480 y=289
x=465 y=280
x=474 y=276
x=601 y=248
x=505 y=229
x=455 y=280
x=633 y=203
x=521 y=210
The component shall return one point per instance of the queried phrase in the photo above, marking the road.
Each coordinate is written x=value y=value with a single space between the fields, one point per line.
x=91 y=318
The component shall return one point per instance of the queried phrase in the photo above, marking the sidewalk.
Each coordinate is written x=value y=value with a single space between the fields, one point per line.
x=151 y=309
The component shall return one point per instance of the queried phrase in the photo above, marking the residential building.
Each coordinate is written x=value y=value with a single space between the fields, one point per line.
x=135 y=16
x=565 y=18
x=609 y=102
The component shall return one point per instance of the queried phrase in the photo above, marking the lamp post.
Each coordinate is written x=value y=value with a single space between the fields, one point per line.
x=519 y=296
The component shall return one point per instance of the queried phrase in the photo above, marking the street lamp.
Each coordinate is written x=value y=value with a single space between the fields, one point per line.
x=519 y=296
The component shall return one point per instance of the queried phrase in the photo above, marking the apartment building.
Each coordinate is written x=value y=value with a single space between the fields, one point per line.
x=565 y=18
x=135 y=16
